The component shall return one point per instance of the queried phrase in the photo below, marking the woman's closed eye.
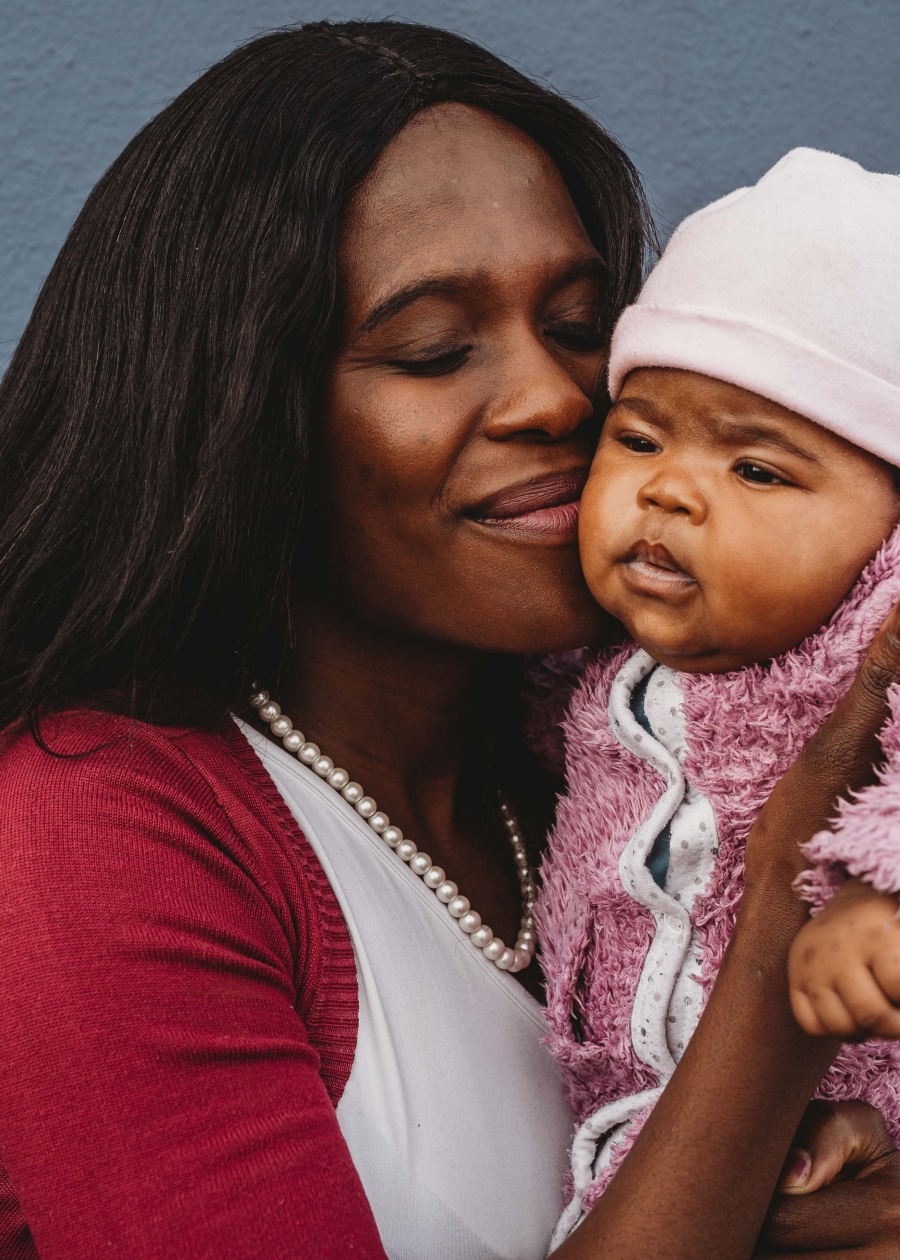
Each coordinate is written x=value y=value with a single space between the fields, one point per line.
x=433 y=361
x=584 y=336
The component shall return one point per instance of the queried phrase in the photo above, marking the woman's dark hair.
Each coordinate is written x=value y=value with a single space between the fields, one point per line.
x=154 y=421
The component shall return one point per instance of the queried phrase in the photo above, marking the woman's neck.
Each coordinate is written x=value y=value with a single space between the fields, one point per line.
x=395 y=712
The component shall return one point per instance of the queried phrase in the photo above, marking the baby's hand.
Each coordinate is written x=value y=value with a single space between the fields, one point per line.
x=844 y=967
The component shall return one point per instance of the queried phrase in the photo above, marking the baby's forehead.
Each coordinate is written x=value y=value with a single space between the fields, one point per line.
x=709 y=411
x=787 y=288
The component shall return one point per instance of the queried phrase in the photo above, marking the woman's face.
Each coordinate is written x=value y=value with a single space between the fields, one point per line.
x=458 y=421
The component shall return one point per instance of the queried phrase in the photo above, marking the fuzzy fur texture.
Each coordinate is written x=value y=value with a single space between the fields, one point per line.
x=744 y=729
x=865 y=838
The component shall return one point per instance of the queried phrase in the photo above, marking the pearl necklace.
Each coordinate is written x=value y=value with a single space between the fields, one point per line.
x=434 y=877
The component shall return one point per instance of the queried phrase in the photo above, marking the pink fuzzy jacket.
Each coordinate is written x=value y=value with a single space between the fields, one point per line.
x=742 y=732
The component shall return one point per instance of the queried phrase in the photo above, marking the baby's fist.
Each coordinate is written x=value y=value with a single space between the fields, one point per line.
x=844 y=967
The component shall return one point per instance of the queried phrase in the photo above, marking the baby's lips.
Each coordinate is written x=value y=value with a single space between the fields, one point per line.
x=657 y=554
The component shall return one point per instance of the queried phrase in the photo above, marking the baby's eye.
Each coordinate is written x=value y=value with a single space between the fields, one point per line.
x=641 y=445
x=759 y=475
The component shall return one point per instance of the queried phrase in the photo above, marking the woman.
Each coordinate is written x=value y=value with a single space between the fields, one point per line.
x=306 y=404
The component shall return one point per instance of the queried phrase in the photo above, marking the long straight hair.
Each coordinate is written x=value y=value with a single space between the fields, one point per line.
x=155 y=419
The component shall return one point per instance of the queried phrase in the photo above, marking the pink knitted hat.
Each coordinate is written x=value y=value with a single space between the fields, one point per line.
x=790 y=289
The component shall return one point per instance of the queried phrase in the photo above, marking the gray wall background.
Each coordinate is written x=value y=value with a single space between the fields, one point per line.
x=704 y=94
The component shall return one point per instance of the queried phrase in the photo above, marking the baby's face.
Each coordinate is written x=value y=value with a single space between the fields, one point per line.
x=721 y=528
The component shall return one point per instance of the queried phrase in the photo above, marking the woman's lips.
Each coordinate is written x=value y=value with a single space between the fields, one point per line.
x=651 y=569
x=544 y=509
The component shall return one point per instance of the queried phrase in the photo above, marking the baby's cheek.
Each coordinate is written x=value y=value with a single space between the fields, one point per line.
x=771 y=604
x=603 y=583
x=596 y=536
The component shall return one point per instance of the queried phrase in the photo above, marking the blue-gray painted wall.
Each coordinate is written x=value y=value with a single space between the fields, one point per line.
x=705 y=94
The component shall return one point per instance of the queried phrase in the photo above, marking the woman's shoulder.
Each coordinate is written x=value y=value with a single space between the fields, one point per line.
x=78 y=745
x=114 y=819
x=114 y=780
x=103 y=769
x=104 y=759
x=150 y=810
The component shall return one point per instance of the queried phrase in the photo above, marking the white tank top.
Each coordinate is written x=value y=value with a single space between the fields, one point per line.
x=453 y=1111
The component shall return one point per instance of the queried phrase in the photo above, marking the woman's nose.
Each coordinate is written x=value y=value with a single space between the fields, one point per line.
x=543 y=399
x=674 y=491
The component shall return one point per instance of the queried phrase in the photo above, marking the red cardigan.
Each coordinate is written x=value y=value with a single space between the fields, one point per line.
x=179 y=1006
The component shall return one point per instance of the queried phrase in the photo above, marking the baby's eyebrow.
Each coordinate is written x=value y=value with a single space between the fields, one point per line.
x=735 y=431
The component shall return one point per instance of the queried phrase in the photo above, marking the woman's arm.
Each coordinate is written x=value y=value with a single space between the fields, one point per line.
x=161 y=1097
x=701 y=1175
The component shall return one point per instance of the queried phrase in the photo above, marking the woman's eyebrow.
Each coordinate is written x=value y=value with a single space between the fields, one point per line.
x=589 y=267
x=396 y=302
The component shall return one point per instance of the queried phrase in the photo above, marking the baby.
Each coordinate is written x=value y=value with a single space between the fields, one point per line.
x=739 y=520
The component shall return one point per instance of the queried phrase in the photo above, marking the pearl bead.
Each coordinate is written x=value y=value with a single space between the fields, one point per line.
x=459 y=906
x=482 y=936
x=434 y=877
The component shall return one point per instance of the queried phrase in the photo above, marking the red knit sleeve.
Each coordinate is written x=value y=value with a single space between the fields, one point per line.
x=161 y=1097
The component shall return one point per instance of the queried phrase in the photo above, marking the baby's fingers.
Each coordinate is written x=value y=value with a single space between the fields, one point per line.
x=886 y=968
x=865 y=1000
x=805 y=1014
x=829 y=1010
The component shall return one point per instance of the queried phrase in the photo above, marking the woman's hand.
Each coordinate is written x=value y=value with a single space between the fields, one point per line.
x=840 y=1188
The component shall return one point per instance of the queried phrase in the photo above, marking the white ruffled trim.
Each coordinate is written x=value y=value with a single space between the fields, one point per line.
x=664 y=965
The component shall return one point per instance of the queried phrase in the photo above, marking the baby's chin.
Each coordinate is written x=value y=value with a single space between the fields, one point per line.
x=687 y=656
x=670 y=635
